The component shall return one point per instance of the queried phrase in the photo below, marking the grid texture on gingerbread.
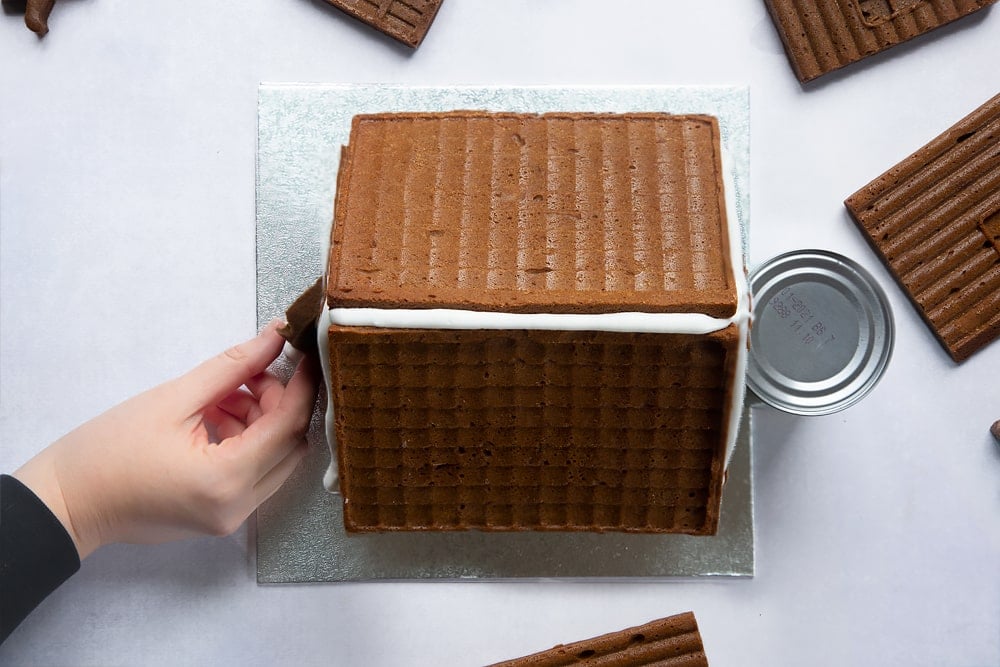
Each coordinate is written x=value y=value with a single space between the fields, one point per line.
x=519 y=430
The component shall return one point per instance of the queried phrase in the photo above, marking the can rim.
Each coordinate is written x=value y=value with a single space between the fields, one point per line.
x=880 y=348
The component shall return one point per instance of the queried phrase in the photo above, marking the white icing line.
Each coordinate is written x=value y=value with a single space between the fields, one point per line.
x=446 y=318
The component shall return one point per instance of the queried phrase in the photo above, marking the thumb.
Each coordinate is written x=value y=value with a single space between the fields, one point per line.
x=212 y=380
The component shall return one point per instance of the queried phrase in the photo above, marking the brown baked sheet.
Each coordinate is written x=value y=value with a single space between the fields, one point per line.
x=669 y=642
x=934 y=220
x=302 y=316
x=406 y=21
x=562 y=212
x=824 y=35
x=531 y=430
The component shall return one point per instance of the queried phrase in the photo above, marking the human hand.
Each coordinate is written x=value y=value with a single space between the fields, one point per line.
x=149 y=470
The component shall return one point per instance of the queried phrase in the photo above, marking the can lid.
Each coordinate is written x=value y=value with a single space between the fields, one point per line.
x=822 y=332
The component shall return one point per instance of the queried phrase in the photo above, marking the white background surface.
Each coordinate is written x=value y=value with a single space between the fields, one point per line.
x=127 y=255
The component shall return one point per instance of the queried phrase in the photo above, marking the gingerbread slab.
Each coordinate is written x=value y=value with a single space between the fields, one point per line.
x=824 y=35
x=673 y=642
x=934 y=220
x=406 y=21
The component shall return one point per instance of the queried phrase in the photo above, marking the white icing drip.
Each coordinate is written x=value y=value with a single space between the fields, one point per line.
x=332 y=476
x=742 y=315
x=739 y=388
x=623 y=322
x=294 y=356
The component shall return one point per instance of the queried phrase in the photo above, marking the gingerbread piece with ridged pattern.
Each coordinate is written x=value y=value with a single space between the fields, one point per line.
x=406 y=21
x=672 y=642
x=821 y=36
x=934 y=220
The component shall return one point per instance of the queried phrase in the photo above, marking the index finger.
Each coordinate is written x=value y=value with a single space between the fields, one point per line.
x=271 y=437
x=212 y=380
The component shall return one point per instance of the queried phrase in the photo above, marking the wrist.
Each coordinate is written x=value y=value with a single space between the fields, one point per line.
x=39 y=475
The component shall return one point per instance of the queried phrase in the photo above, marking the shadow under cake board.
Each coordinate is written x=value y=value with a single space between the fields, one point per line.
x=300 y=530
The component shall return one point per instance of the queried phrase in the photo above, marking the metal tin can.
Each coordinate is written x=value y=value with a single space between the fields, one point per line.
x=822 y=332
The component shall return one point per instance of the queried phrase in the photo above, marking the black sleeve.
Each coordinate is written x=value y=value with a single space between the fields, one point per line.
x=36 y=553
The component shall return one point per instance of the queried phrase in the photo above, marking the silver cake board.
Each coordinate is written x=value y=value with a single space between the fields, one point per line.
x=300 y=530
